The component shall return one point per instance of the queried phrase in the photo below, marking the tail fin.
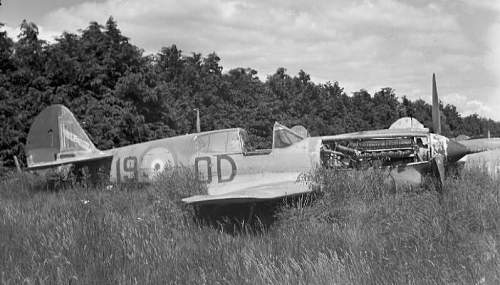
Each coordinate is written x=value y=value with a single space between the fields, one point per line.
x=55 y=138
x=436 y=117
x=407 y=123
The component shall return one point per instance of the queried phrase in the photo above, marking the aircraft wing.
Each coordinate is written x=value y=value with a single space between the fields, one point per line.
x=385 y=133
x=478 y=145
x=252 y=194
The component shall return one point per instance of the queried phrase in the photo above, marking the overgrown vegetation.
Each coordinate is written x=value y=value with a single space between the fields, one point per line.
x=122 y=96
x=361 y=231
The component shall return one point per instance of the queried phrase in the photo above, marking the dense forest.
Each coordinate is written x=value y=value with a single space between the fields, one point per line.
x=122 y=96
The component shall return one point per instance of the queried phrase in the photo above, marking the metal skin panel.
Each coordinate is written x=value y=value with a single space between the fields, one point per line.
x=488 y=161
x=439 y=145
x=254 y=194
x=224 y=172
x=248 y=177
x=81 y=158
x=407 y=123
x=236 y=171
x=143 y=162
x=54 y=135
x=221 y=159
x=411 y=174
x=386 y=133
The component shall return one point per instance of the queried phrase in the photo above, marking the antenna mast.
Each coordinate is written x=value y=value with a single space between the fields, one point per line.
x=198 y=128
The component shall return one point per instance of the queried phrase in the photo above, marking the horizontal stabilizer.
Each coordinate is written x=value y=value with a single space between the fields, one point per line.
x=252 y=194
x=70 y=160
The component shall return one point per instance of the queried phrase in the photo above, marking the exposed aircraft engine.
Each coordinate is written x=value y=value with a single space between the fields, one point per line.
x=381 y=144
x=373 y=152
x=386 y=154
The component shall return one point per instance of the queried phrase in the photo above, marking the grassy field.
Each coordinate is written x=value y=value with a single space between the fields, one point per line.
x=361 y=231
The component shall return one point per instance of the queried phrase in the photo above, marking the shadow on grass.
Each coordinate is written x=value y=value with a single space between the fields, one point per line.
x=248 y=218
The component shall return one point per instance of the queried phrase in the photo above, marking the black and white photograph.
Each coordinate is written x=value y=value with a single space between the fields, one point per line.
x=249 y=142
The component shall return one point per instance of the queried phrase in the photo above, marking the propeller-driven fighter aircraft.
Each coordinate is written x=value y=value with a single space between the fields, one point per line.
x=236 y=174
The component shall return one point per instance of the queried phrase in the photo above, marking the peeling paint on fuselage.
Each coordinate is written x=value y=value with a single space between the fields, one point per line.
x=439 y=145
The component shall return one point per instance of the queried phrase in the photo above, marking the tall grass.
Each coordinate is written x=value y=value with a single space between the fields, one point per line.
x=361 y=231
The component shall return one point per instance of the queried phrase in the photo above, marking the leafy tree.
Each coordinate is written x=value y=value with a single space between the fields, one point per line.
x=361 y=114
x=122 y=96
x=6 y=49
x=386 y=108
x=454 y=123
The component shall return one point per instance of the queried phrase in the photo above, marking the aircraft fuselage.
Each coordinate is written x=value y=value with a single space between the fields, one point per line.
x=218 y=158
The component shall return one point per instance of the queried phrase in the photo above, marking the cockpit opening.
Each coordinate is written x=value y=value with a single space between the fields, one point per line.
x=284 y=137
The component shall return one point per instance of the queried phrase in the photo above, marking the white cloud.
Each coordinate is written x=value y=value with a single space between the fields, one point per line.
x=359 y=43
x=43 y=34
x=467 y=106
x=11 y=31
x=492 y=60
x=485 y=4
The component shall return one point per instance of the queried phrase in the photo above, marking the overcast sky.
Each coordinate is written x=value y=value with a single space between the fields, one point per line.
x=362 y=44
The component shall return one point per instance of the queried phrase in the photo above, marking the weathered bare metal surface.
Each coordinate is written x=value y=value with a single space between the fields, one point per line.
x=270 y=191
x=488 y=161
x=407 y=123
x=56 y=138
x=482 y=144
x=235 y=173
x=386 y=133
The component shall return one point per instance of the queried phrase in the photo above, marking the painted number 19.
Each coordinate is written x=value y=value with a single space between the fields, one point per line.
x=130 y=169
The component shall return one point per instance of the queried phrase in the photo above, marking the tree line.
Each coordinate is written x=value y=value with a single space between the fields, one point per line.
x=121 y=95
